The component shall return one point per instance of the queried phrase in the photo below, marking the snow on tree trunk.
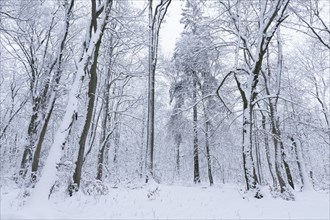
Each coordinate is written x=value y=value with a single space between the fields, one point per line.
x=106 y=97
x=269 y=162
x=208 y=154
x=248 y=164
x=52 y=97
x=269 y=20
x=48 y=178
x=98 y=29
x=306 y=181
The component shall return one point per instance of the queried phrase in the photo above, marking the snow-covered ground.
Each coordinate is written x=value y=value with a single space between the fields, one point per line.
x=168 y=202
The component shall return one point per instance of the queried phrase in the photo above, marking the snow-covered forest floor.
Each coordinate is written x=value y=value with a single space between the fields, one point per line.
x=168 y=202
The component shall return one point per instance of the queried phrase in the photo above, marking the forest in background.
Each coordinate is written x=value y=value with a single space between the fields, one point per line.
x=88 y=100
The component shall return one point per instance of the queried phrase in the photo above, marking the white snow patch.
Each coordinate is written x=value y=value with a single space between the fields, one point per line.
x=169 y=202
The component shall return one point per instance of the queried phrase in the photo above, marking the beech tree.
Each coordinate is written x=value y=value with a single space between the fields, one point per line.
x=274 y=118
x=91 y=46
x=155 y=20
x=95 y=29
x=44 y=71
x=270 y=16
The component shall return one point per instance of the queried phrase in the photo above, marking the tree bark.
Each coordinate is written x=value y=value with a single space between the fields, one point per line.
x=151 y=98
x=208 y=155
x=269 y=162
x=279 y=152
x=155 y=21
x=31 y=140
x=91 y=93
x=178 y=140
x=286 y=166
x=195 y=130
x=305 y=180
x=36 y=156
x=46 y=182
x=248 y=163
x=90 y=108
x=257 y=154
x=106 y=97
x=52 y=95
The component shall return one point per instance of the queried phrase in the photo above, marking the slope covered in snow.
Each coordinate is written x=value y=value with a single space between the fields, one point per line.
x=169 y=202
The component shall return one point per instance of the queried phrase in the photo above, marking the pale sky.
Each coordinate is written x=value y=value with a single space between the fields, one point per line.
x=172 y=28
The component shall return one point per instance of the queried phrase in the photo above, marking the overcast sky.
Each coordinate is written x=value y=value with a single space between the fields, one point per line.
x=172 y=28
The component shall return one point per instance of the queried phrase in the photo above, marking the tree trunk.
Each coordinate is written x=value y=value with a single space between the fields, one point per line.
x=155 y=21
x=286 y=166
x=31 y=140
x=270 y=164
x=116 y=119
x=305 y=180
x=91 y=89
x=151 y=99
x=257 y=153
x=208 y=155
x=178 y=140
x=278 y=150
x=298 y=161
x=100 y=159
x=248 y=164
x=106 y=97
x=51 y=93
x=258 y=160
x=36 y=156
x=46 y=182
x=195 y=120
x=142 y=143
x=90 y=108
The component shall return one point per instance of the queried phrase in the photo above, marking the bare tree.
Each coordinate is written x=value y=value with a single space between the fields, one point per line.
x=95 y=28
x=43 y=66
x=155 y=20
x=53 y=84
x=309 y=13
x=280 y=157
x=94 y=34
x=270 y=16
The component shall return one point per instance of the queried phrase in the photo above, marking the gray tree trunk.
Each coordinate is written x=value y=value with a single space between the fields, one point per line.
x=208 y=155
x=257 y=153
x=90 y=108
x=155 y=21
x=105 y=112
x=178 y=140
x=269 y=162
x=91 y=95
x=195 y=130
x=52 y=96
x=151 y=97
